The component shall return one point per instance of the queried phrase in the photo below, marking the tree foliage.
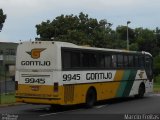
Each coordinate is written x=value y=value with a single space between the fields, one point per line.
x=83 y=30
x=2 y=19
x=157 y=65
x=79 y=29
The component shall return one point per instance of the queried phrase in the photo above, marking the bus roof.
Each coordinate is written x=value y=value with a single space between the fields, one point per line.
x=71 y=45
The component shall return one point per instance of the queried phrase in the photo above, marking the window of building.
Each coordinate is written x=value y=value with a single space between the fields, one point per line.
x=1 y=62
x=1 y=52
x=10 y=52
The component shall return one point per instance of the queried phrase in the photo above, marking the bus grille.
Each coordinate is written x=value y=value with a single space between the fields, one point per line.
x=68 y=93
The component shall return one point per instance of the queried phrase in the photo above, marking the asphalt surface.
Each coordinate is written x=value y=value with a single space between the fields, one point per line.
x=115 y=109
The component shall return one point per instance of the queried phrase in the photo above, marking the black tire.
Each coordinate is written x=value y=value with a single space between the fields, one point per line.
x=91 y=98
x=55 y=107
x=141 y=91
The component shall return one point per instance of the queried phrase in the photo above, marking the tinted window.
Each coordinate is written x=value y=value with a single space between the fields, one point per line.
x=89 y=60
x=125 y=61
x=66 y=59
x=108 y=61
x=75 y=59
x=102 y=61
x=114 y=61
x=136 y=61
x=130 y=60
x=141 y=61
x=120 y=61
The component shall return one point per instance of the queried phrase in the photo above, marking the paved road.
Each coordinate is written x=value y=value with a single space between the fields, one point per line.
x=149 y=107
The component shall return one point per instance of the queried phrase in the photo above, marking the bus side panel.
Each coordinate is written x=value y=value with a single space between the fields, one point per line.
x=141 y=77
x=105 y=90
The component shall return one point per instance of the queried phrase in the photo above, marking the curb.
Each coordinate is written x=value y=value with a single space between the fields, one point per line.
x=11 y=104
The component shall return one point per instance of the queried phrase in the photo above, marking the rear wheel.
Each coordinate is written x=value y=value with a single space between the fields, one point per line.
x=55 y=107
x=90 y=98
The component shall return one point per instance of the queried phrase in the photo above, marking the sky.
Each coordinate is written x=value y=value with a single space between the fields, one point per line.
x=23 y=15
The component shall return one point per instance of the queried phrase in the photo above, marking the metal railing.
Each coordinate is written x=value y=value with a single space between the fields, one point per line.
x=7 y=83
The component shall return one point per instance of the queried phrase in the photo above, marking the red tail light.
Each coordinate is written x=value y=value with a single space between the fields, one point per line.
x=56 y=87
x=16 y=85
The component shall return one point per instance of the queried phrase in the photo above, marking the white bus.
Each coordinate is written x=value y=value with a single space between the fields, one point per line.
x=61 y=73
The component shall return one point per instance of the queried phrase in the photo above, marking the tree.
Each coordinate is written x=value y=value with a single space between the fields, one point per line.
x=122 y=33
x=156 y=65
x=80 y=30
x=2 y=19
x=146 y=40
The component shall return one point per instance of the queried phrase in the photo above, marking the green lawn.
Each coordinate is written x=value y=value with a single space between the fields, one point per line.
x=156 y=87
x=7 y=98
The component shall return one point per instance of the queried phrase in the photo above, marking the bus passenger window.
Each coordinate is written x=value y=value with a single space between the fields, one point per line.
x=108 y=61
x=148 y=67
x=141 y=61
x=120 y=61
x=85 y=60
x=75 y=59
x=136 y=61
x=130 y=61
x=66 y=59
x=125 y=61
x=92 y=60
x=101 y=61
x=114 y=61
x=89 y=60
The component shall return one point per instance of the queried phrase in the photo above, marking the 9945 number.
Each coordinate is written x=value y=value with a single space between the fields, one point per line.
x=69 y=77
x=33 y=80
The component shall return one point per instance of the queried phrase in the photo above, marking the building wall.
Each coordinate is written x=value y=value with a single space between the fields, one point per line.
x=7 y=59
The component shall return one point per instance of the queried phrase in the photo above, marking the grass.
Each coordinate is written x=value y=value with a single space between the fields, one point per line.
x=7 y=98
x=156 y=87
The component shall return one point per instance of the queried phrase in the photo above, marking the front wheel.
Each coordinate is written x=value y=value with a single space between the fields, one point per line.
x=90 y=98
x=141 y=91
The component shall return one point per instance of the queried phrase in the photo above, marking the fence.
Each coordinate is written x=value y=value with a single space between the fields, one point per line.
x=7 y=87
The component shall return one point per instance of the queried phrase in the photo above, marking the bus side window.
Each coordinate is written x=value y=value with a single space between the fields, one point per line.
x=114 y=61
x=148 y=66
x=130 y=59
x=66 y=59
x=136 y=62
x=85 y=60
x=92 y=60
x=75 y=59
x=120 y=61
x=89 y=60
x=101 y=61
x=108 y=60
x=141 y=61
x=125 y=61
